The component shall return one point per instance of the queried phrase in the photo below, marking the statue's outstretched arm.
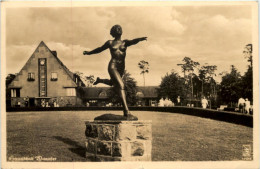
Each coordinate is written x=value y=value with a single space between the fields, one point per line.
x=97 y=50
x=134 y=41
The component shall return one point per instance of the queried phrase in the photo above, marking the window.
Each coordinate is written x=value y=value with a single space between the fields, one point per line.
x=42 y=77
x=93 y=101
x=31 y=77
x=153 y=102
x=103 y=94
x=71 y=91
x=15 y=92
x=139 y=94
x=54 y=76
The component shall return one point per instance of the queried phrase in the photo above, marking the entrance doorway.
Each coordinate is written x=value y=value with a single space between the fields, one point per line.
x=31 y=102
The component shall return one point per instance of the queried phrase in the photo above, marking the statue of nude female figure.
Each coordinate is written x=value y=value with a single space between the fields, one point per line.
x=116 y=65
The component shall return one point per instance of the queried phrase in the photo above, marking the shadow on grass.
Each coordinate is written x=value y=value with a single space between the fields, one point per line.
x=77 y=148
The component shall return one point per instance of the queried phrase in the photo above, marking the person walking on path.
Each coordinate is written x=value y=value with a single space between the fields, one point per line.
x=204 y=103
x=247 y=106
x=241 y=105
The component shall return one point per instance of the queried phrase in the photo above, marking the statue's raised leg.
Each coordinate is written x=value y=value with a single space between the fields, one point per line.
x=104 y=81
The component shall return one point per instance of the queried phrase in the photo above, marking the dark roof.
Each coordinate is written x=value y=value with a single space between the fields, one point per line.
x=148 y=91
x=94 y=92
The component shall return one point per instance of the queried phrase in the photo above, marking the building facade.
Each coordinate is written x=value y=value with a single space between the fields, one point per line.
x=147 y=96
x=98 y=96
x=45 y=81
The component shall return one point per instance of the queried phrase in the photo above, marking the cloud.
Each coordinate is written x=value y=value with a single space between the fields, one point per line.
x=17 y=56
x=72 y=56
x=207 y=34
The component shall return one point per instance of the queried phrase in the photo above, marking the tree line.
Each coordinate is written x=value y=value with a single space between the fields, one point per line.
x=198 y=81
x=194 y=86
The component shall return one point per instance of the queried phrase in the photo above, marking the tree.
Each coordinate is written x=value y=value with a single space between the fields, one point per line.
x=188 y=66
x=130 y=89
x=87 y=80
x=206 y=74
x=233 y=85
x=202 y=77
x=172 y=86
x=90 y=80
x=9 y=78
x=247 y=79
x=230 y=86
x=196 y=83
x=247 y=84
x=144 y=66
x=248 y=50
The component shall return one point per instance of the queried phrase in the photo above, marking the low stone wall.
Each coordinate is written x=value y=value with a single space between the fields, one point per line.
x=118 y=140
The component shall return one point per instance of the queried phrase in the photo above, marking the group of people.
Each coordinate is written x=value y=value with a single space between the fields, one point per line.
x=165 y=102
x=244 y=105
x=168 y=103
x=47 y=104
x=204 y=102
x=44 y=104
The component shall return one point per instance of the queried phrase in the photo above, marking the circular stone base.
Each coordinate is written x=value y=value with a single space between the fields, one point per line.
x=130 y=117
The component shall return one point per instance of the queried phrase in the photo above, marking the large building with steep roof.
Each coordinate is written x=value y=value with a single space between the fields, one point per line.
x=45 y=81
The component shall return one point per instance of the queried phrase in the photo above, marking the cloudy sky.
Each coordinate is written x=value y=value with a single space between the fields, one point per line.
x=208 y=34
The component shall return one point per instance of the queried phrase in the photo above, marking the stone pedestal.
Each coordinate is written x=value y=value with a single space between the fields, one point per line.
x=118 y=140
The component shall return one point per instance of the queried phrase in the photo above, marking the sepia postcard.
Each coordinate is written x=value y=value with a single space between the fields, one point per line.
x=129 y=84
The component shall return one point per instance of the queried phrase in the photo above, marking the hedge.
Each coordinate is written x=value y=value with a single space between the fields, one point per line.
x=231 y=117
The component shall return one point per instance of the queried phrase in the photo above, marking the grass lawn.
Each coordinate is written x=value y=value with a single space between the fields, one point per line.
x=176 y=137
